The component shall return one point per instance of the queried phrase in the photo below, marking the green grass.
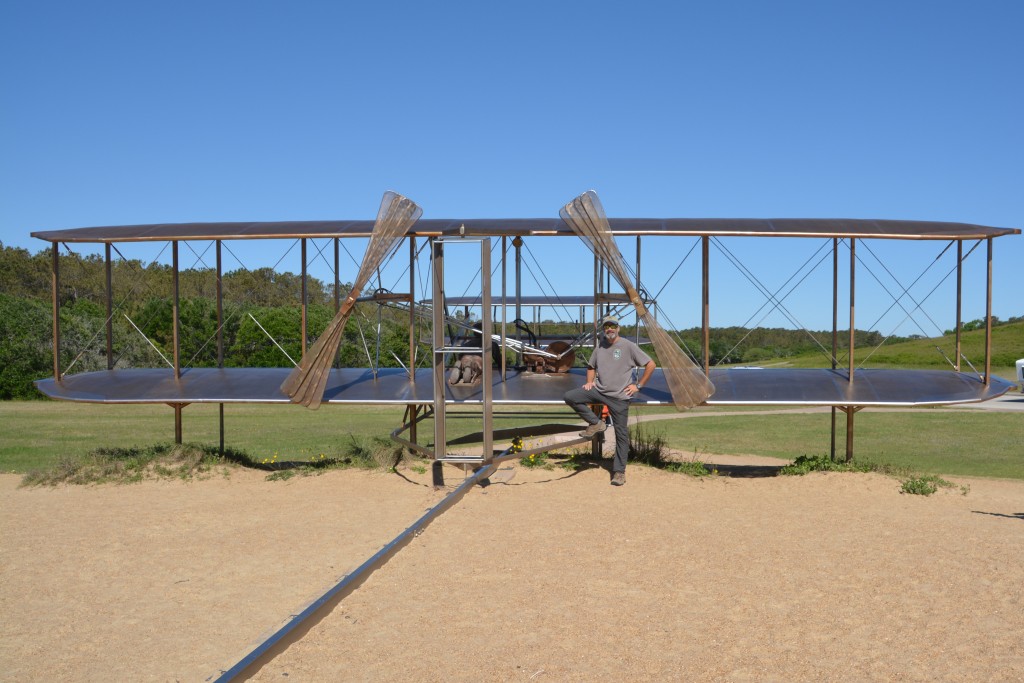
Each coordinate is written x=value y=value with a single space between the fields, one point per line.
x=940 y=441
x=38 y=434
x=35 y=434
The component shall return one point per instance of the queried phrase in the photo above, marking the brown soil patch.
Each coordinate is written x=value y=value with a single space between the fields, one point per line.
x=551 y=576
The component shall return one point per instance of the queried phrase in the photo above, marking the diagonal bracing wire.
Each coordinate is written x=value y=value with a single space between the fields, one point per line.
x=732 y=258
x=554 y=293
x=685 y=257
x=271 y=338
x=114 y=309
x=918 y=304
x=774 y=297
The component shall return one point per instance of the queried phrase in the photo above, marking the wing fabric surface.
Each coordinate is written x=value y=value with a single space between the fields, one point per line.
x=306 y=383
x=688 y=384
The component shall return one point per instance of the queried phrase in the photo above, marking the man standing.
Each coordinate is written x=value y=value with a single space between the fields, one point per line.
x=610 y=381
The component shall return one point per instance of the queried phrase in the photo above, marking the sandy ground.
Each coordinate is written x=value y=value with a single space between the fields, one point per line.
x=551 y=576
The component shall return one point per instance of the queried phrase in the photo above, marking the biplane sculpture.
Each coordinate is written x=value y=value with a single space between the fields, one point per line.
x=680 y=380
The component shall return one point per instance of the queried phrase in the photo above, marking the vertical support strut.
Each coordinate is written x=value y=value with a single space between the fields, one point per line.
x=850 y=411
x=853 y=270
x=517 y=242
x=504 y=301
x=177 y=422
x=598 y=315
x=485 y=348
x=220 y=306
x=303 y=335
x=337 y=278
x=176 y=335
x=220 y=335
x=835 y=331
x=637 y=330
x=440 y=391
x=959 y=299
x=175 y=312
x=55 y=301
x=705 y=311
x=110 y=307
x=442 y=348
x=412 y=309
x=988 y=317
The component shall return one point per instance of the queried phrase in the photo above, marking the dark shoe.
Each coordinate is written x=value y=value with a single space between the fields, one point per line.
x=619 y=479
x=593 y=430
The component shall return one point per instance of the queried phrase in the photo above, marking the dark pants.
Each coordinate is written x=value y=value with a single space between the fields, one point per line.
x=580 y=400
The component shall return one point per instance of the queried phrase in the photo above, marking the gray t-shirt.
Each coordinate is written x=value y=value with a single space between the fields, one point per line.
x=614 y=365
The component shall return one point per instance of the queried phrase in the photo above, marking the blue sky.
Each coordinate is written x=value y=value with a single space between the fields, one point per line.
x=127 y=112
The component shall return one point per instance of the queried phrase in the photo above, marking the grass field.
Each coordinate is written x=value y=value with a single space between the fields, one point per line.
x=938 y=441
x=923 y=354
x=35 y=434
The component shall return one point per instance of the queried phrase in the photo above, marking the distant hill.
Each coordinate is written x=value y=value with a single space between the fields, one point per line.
x=1007 y=347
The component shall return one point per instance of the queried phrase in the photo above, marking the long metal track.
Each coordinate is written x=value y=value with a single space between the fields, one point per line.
x=301 y=623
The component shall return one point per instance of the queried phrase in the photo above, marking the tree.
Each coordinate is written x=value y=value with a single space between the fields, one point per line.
x=26 y=346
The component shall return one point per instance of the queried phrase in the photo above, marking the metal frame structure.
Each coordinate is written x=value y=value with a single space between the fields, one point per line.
x=848 y=390
x=442 y=351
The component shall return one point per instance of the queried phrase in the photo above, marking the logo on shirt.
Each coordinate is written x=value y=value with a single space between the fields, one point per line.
x=617 y=354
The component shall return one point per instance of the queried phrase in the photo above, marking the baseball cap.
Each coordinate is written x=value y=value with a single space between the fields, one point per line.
x=610 y=320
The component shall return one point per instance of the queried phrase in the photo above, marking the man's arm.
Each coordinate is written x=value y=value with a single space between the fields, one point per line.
x=633 y=389
x=591 y=375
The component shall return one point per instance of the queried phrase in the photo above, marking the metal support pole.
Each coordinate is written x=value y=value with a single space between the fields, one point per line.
x=959 y=299
x=597 y=306
x=850 y=410
x=485 y=348
x=705 y=314
x=175 y=311
x=853 y=261
x=517 y=242
x=835 y=331
x=220 y=334
x=637 y=330
x=409 y=417
x=440 y=390
x=177 y=422
x=988 y=317
x=303 y=335
x=504 y=301
x=337 y=278
x=412 y=309
x=220 y=306
x=55 y=301
x=110 y=308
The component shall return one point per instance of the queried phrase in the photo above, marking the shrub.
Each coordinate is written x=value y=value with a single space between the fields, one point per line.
x=646 y=447
x=536 y=461
x=694 y=468
x=821 y=463
x=928 y=484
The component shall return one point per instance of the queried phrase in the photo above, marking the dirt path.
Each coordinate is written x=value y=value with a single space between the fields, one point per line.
x=553 y=576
